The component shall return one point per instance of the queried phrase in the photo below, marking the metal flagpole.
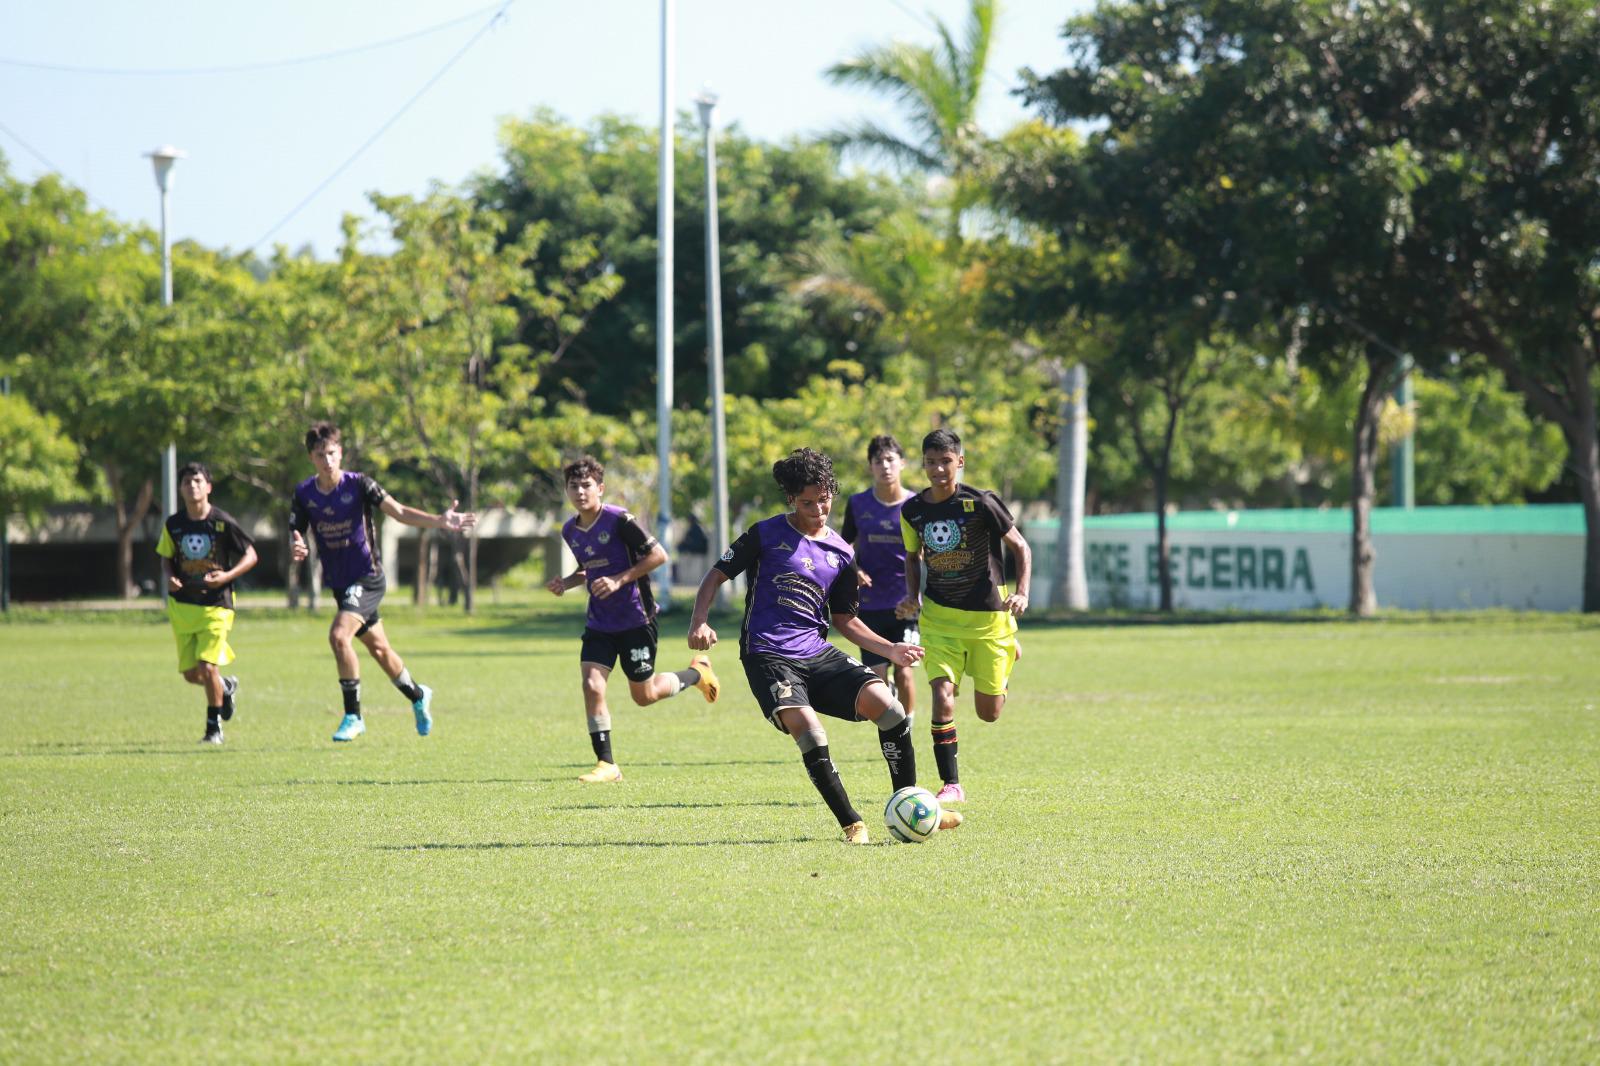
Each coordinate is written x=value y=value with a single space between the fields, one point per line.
x=707 y=100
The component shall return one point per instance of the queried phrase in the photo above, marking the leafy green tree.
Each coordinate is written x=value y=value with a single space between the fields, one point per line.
x=597 y=184
x=38 y=465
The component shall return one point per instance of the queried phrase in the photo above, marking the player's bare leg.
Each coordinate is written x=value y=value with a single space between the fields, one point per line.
x=987 y=706
x=599 y=718
x=341 y=638
x=657 y=687
x=383 y=653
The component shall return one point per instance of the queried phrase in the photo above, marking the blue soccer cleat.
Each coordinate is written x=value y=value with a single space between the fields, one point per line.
x=419 y=708
x=351 y=727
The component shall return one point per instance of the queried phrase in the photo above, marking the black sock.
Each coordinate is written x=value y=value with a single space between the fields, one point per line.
x=213 y=719
x=900 y=755
x=600 y=740
x=351 y=687
x=819 y=767
x=944 y=751
x=408 y=688
x=689 y=677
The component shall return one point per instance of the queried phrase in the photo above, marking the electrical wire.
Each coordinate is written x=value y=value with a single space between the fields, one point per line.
x=238 y=68
x=50 y=166
x=381 y=130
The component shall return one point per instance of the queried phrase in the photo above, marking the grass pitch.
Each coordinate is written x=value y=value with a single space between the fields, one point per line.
x=1337 y=841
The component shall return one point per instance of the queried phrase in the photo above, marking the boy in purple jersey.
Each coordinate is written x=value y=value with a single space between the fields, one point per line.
x=872 y=528
x=336 y=505
x=615 y=557
x=801 y=573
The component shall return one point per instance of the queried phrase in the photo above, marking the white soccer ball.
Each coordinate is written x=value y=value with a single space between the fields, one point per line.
x=912 y=815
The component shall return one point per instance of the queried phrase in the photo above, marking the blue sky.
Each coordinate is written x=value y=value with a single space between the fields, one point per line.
x=259 y=141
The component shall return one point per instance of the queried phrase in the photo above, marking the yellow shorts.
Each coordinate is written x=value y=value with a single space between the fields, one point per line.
x=987 y=660
x=202 y=634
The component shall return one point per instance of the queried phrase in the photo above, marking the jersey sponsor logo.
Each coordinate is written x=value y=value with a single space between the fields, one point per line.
x=330 y=509
x=943 y=534
x=808 y=564
x=727 y=556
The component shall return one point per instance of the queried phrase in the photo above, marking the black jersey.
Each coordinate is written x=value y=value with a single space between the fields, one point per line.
x=198 y=546
x=961 y=542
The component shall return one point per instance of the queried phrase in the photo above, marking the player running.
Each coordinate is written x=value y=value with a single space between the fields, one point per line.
x=615 y=557
x=204 y=551
x=337 y=506
x=969 y=621
x=872 y=528
x=801 y=573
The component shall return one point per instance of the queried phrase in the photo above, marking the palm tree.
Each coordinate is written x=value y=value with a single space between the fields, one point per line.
x=938 y=89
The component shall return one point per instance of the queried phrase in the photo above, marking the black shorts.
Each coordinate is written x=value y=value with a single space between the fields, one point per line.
x=636 y=648
x=362 y=599
x=886 y=625
x=828 y=683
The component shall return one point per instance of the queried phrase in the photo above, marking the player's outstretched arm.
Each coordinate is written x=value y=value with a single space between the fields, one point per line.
x=451 y=519
x=701 y=635
x=856 y=632
x=1017 y=602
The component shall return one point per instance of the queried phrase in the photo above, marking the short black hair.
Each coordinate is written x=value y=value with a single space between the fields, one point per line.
x=883 y=442
x=319 y=432
x=581 y=467
x=941 y=440
x=195 y=467
x=803 y=468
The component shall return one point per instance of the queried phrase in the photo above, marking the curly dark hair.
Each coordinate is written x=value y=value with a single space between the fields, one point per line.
x=581 y=467
x=941 y=440
x=883 y=442
x=803 y=468
x=319 y=432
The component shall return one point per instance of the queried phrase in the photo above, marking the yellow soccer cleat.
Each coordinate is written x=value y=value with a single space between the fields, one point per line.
x=603 y=772
x=950 y=819
x=856 y=833
x=708 y=685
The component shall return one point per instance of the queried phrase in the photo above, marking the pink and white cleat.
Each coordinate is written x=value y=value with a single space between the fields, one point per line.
x=952 y=792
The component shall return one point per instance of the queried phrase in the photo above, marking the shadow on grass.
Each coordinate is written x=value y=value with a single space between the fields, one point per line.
x=419 y=781
x=676 y=806
x=501 y=845
x=111 y=751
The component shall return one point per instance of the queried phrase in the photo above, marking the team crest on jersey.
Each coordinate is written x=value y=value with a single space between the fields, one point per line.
x=346 y=498
x=833 y=560
x=604 y=538
x=968 y=505
x=782 y=690
x=942 y=535
x=195 y=545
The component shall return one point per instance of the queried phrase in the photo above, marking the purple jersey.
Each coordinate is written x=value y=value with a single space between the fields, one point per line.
x=611 y=545
x=341 y=520
x=794 y=583
x=873 y=528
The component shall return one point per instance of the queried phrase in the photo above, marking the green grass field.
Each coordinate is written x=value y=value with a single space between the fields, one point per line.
x=1313 y=839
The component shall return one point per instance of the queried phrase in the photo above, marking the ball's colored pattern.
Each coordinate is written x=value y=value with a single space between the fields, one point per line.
x=912 y=815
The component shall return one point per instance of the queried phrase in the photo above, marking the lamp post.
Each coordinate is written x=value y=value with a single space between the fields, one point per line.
x=163 y=158
x=707 y=102
x=664 y=279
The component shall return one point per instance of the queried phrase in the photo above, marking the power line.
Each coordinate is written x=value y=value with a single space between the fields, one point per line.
x=50 y=166
x=381 y=130
x=918 y=16
x=238 y=68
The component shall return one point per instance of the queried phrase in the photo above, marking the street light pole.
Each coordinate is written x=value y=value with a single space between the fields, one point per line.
x=664 y=279
x=707 y=101
x=163 y=158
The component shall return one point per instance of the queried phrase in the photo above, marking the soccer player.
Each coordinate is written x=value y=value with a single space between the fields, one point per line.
x=336 y=504
x=872 y=528
x=968 y=620
x=204 y=551
x=801 y=574
x=615 y=557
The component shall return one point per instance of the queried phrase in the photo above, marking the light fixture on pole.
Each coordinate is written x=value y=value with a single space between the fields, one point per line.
x=163 y=158
x=664 y=280
x=707 y=102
